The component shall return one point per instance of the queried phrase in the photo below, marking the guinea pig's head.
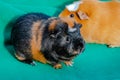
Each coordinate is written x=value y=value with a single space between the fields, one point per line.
x=76 y=11
x=67 y=38
x=59 y=34
x=78 y=43
x=55 y=36
x=78 y=16
x=63 y=37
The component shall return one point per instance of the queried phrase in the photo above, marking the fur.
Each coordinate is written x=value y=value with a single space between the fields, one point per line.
x=36 y=36
x=100 y=21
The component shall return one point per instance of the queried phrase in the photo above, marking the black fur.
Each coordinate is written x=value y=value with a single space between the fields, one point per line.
x=57 y=39
x=77 y=40
x=57 y=45
x=76 y=44
x=21 y=34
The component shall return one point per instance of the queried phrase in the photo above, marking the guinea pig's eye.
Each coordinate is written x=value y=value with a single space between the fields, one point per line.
x=68 y=39
x=59 y=37
x=71 y=15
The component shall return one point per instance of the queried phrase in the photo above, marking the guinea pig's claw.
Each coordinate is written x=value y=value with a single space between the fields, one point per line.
x=69 y=63
x=57 y=66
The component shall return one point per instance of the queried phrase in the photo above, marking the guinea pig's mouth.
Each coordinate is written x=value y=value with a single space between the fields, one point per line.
x=63 y=58
x=68 y=57
x=76 y=52
x=67 y=54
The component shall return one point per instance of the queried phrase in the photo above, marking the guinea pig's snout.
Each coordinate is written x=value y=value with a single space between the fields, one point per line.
x=82 y=46
x=79 y=47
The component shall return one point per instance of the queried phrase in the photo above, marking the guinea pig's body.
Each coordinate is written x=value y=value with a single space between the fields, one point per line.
x=100 y=20
x=25 y=38
x=36 y=36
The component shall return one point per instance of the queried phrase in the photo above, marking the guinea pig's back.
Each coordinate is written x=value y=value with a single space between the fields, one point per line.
x=104 y=24
x=26 y=34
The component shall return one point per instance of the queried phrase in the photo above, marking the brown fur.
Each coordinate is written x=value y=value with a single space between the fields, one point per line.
x=52 y=25
x=70 y=21
x=36 y=43
x=67 y=20
x=103 y=23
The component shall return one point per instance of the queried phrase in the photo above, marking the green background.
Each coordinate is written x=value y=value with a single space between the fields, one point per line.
x=97 y=62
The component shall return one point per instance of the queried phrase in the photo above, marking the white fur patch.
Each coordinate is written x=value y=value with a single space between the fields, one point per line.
x=72 y=29
x=74 y=6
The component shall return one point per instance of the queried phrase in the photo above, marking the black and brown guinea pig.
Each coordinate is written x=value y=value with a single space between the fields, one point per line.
x=36 y=36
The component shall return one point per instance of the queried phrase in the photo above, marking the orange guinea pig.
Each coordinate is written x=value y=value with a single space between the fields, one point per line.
x=100 y=20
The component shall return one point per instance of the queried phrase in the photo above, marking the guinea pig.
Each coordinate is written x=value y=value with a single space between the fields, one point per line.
x=36 y=36
x=100 y=20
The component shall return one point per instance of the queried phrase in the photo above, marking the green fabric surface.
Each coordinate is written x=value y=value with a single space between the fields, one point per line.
x=97 y=62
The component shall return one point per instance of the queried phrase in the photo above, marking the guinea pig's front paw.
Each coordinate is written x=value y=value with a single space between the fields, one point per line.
x=69 y=63
x=57 y=66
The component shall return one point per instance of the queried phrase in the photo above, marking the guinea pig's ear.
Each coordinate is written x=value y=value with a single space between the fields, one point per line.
x=82 y=15
x=77 y=25
x=63 y=26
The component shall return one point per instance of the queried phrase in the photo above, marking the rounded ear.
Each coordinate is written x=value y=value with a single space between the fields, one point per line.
x=63 y=26
x=82 y=15
x=77 y=25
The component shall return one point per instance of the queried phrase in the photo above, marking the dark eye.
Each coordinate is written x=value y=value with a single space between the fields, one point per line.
x=71 y=15
x=68 y=39
x=59 y=37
